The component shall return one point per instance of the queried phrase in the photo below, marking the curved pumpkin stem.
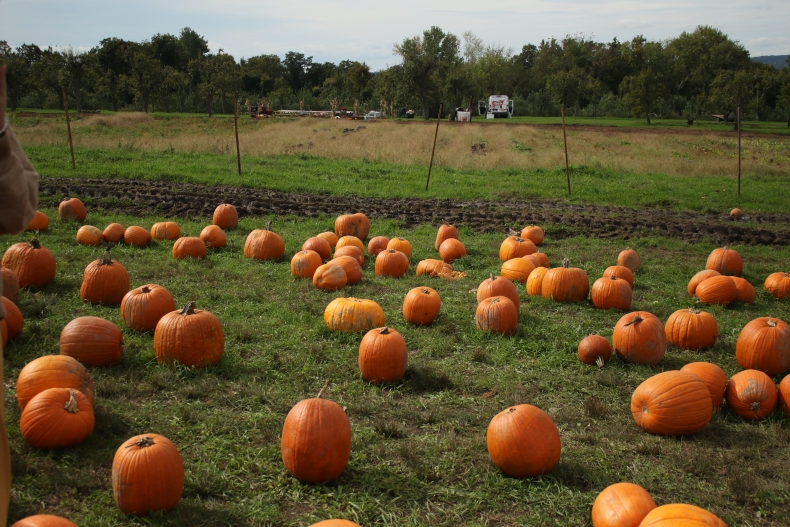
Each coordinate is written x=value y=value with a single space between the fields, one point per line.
x=694 y=311
x=268 y=226
x=106 y=258
x=599 y=361
x=35 y=244
x=383 y=331
x=771 y=323
x=322 y=393
x=71 y=406
x=145 y=289
x=143 y=442
x=566 y=263
x=188 y=309
x=636 y=319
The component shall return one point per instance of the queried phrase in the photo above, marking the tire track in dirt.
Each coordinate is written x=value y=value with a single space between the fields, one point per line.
x=561 y=220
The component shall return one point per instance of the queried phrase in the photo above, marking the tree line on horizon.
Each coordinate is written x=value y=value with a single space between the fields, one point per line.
x=691 y=76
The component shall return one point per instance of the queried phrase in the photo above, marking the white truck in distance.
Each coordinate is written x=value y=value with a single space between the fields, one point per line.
x=498 y=106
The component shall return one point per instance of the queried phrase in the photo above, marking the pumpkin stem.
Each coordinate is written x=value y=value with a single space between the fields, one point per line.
x=492 y=277
x=566 y=263
x=145 y=289
x=614 y=277
x=188 y=309
x=637 y=318
x=771 y=323
x=106 y=258
x=599 y=361
x=322 y=393
x=35 y=244
x=425 y=291
x=519 y=239
x=754 y=406
x=694 y=311
x=495 y=300
x=143 y=442
x=71 y=406
x=383 y=331
x=268 y=226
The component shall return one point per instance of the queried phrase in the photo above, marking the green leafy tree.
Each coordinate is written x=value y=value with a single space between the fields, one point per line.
x=646 y=84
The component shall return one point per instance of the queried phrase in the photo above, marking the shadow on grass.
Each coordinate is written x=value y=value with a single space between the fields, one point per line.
x=422 y=378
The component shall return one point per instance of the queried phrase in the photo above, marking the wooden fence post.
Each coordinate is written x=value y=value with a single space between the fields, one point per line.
x=68 y=126
x=430 y=166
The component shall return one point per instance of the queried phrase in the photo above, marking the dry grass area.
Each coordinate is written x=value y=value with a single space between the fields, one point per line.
x=458 y=145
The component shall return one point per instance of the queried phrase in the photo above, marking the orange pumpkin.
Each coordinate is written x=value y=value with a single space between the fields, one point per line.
x=764 y=344
x=57 y=418
x=515 y=247
x=330 y=277
x=611 y=293
x=10 y=284
x=263 y=244
x=451 y=249
x=33 y=263
x=377 y=244
x=629 y=258
x=783 y=395
x=316 y=439
x=523 y=441
x=725 y=261
x=498 y=286
x=71 y=209
x=336 y=523
x=137 y=236
x=44 y=520
x=681 y=515
x=104 y=281
x=594 y=349
x=225 y=217
x=353 y=241
x=698 y=278
x=400 y=244
x=113 y=233
x=565 y=284
x=391 y=263
x=497 y=314
x=535 y=281
x=620 y=271
x=93 y=341
x=14 y=320
x=533 y=233
x=353 y=315
x=445 y=232
x=351 y=250
x=691 y=329
x=319 y=245
x=746 y=292
x=330 y=237
x=639 y=337
x=143 y=307
x=189 y=247
x=434 y=268
x=191 y=337
x=421 y=306
x=351 y=267
x=165 y=230
x=40 y=222
x=751 y=394
x=713 y=377
x=353 y=225
x=719 y=290
x=736 y=213
x=382 y=355
x=517 y=269
x=89 y=235
x=304 y=264
x=778 y=284
x=52 y=371
x=147 y=475
x=672 y=403
x=213 y=236
x=539 y=259
x=621 y=505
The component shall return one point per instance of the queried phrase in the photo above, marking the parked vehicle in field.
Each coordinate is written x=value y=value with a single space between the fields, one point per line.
x=499 y=106
x=372 y=115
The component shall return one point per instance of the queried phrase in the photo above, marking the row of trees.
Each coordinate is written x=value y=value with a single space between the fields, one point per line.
x=693 y=75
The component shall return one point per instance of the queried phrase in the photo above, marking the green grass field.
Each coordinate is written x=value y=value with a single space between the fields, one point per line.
x=418 y=445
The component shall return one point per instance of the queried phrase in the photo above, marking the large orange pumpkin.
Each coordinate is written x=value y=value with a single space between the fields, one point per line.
x=225 y=216
x=189 y=247
x=382 y=355
x=89 y=235
x=629 y=258
x=71 y=209
x=523 y=441
x=691 y=329
x=746 y=291
x=352 y=225
x=445 y=232
x=497 y=314
x=316 y=439
x=113 y=233
x=672 y=403
x=498 y=286
x=620 y=271
x=639 y=337
x=451 y=249
x=191 y=337
x=330 y=277
x=377 y=244
x=764 y=344
x=698 y=278
x=517 y=269
x=213 y=237
x=778 y=284
x=33 y=263
x=535 y=281
x=353 y=251
x=725 y=261
x=44 y=520
x=594 y=349
x=565 y=283
x=93 y=341
x=165 y=230
x=319 y=245
x=263 y=244
x=10 y=284
x=141 y=308
x=621 y=505
x=330 y=237
x=713 y=377
x=147 y=475
x=304 y=264
x=52 y=371
x=719 y=290
x=751 y=394
x=352 y=241
x=353 y=315
x=533 y=233
x=104 y=281
x=351 y=267
x=400 y=244
x=40 y=222
x=57 y=418
x=434 y=268
x=14 y=319
x=421 y=306
x=681 y=515
x=515 y=247
x=611 y=292
x=391 y=263
x=137 y=236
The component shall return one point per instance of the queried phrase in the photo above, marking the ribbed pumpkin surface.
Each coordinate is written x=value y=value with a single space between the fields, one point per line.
x=353 y=314
x=93 y=341
x=681 y=515
x=523 y=441
x=672 y=403
x=764 y=344
x=621 y=505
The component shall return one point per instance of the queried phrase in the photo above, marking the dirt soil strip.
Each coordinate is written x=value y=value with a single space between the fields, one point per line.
x=559 y=219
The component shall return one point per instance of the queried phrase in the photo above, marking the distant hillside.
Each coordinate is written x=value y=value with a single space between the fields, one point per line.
x=777 y=61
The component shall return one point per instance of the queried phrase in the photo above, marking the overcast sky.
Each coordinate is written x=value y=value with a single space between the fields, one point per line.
x=365 y=30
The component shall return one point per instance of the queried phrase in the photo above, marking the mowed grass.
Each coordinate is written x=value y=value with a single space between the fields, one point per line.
x=418 y=453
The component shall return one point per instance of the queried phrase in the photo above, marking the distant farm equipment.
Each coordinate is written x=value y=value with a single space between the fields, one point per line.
x=499 y=106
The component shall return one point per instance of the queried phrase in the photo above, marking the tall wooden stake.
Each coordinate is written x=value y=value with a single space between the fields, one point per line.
x=567 y=167
x=739 y=151
x=471 y=113
x=236 y=125
x=438 y=118
x=68 y=126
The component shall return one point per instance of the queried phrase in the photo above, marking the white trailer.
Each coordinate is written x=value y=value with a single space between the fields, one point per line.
x=499 y=106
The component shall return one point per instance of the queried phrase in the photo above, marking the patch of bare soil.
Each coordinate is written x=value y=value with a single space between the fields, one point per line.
x=559 y=219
